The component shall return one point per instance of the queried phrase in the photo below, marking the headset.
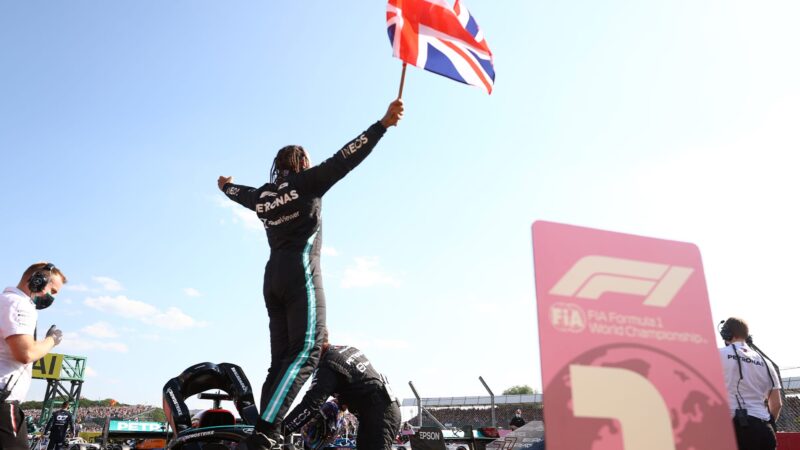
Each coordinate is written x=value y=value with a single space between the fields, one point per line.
x=39 y=279
x=727 y=335
x=724 y=332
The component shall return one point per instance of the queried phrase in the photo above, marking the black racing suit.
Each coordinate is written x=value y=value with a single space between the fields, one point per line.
x=290 y=209
x=346 y=372
x=58 y=425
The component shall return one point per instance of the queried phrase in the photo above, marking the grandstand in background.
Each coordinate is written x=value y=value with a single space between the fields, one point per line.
x=92 y=418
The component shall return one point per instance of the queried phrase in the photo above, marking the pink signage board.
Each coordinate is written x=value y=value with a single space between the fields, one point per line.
x=628 y=352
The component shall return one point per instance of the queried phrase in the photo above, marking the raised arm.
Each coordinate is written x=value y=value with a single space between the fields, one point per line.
x=26 y=350
x=241 y=194
x=317 y=180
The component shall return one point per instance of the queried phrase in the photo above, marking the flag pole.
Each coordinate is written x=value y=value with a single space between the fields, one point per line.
x=402 y=82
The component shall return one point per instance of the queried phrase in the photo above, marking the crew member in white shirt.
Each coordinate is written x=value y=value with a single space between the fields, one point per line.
x=18 y=315
x=753 y=388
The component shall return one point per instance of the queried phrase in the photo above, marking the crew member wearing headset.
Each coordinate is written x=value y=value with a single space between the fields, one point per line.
x=289 y=206
x=345 y=372
x=753 y=388
x=18 y=315
x=59 y=426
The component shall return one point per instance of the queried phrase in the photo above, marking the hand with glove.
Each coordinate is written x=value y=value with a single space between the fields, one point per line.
x=54 y=333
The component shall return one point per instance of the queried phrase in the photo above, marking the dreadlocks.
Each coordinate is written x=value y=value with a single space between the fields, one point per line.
x=290 y=159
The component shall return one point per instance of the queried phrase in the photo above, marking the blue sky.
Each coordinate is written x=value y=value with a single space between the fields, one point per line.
x=668 y=119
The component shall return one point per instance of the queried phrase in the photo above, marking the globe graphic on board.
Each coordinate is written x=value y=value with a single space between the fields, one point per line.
x=695 y=406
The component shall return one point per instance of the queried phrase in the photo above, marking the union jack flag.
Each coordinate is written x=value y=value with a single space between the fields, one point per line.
x=436 y=37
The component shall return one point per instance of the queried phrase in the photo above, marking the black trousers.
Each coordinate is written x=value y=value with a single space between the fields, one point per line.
x=55 y=441
x=296 y=305
x=378 y=425
x=13 y=430
x=757 y=435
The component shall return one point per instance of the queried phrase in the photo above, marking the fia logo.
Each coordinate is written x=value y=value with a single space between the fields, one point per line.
x=567 y=317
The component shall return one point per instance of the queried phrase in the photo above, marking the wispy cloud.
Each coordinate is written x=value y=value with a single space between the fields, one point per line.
x=150 y=337
x=100 y=330
x=329 y=251
x=108 y=284
x=74 y=342
x=171 y=319
x=191 y=292
x=89 y=372
x=80 y=287
x=101 y=284
x=241 y=215
x=366 y=272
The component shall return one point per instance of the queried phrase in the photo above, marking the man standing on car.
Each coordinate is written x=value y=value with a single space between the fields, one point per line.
x=59 y=425
x=290 y=207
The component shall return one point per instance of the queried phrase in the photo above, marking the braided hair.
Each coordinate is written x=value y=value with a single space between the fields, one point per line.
x=290 y=159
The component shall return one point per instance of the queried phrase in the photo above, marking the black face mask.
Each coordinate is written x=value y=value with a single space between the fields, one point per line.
x=43 y=301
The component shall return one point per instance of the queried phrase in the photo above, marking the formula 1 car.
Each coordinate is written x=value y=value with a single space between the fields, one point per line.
x=218 y=428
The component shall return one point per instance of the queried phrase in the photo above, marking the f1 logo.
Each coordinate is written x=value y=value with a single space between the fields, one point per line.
x=594 y=275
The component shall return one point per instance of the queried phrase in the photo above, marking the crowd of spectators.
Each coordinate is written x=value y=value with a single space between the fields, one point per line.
x=92 y=418
x=478 y=417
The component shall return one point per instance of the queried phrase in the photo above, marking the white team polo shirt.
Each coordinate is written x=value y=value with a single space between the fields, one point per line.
x=18 y=315
x=755 y=385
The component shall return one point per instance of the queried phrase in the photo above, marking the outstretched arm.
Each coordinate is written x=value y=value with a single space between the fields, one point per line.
x=241 y=194
x=317 y=180
x=393 y=114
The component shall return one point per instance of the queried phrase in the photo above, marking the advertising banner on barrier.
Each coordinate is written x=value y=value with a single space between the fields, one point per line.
x=428 y=438
x=134 y=426
x=628 y=352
